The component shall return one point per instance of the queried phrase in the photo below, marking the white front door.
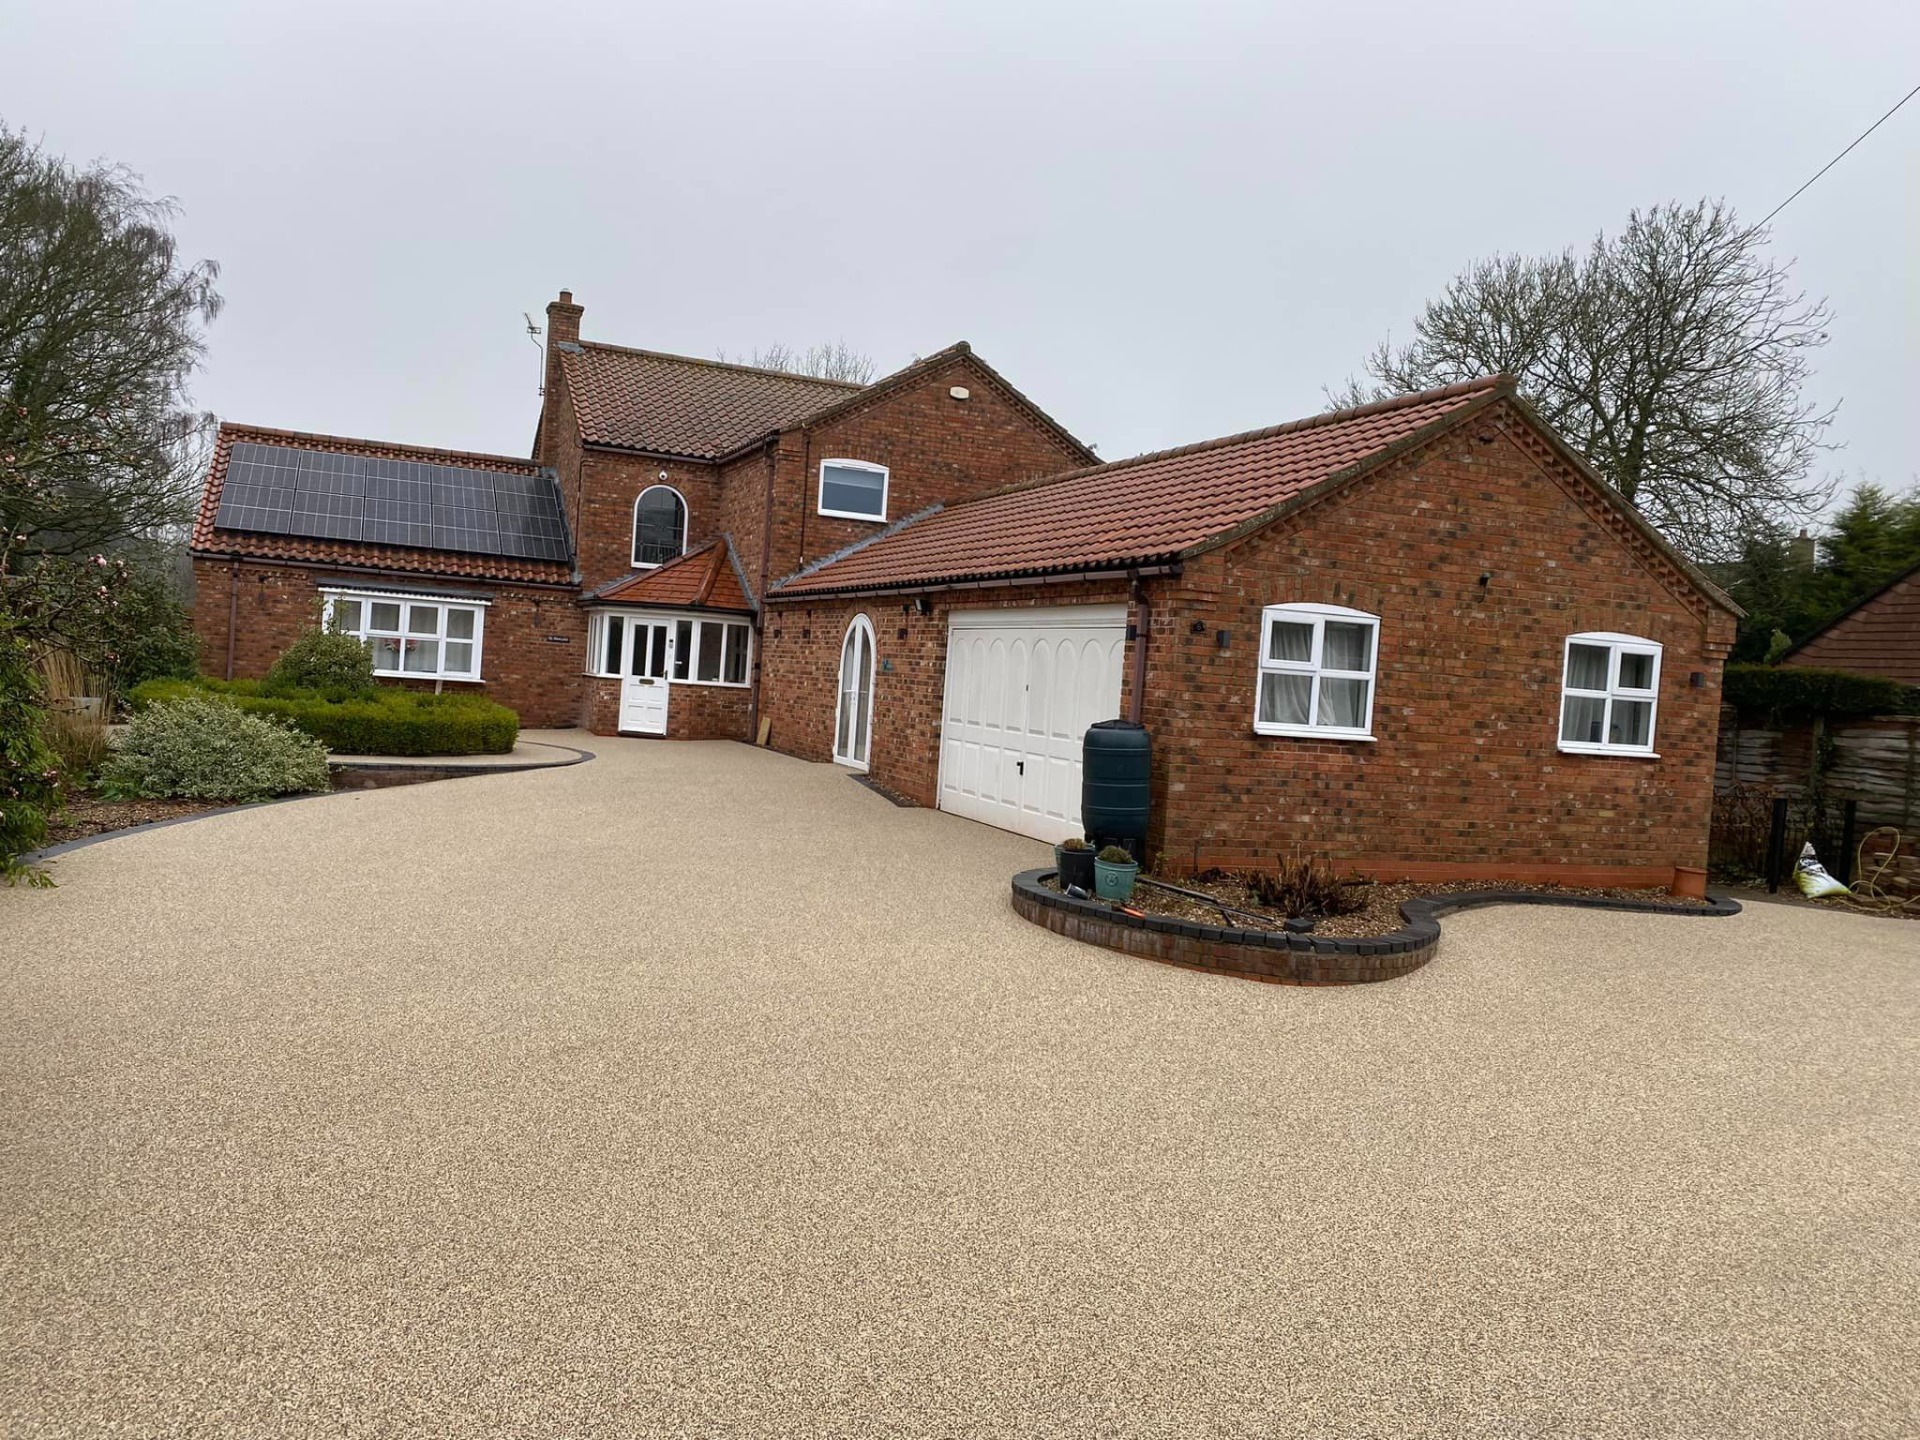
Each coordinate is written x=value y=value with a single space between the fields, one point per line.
x=853 y=715
x=643 y=688
x=1022 y=688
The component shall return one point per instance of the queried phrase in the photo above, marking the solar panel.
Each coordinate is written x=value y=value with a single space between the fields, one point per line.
x=280 y=490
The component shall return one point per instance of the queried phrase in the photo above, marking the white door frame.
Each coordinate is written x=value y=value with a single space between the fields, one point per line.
x=859 y=625
x=636 y=672
x=1098 y=616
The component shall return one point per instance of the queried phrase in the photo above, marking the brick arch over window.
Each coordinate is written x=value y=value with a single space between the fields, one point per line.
x=659 y=526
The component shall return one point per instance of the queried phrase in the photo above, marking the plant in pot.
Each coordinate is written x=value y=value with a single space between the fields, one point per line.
x=1113 y=873
x=1075 y=859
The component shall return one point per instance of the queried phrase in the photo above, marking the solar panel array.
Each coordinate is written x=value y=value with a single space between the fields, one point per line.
x=281 y=490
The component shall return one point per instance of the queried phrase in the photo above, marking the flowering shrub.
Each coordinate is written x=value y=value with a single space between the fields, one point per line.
x=29 y=773
x=207 y=749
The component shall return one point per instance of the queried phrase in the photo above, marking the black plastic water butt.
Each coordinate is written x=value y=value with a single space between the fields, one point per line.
x=1115 y=774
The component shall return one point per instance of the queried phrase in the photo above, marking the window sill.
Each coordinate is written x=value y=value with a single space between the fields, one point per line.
x=416 y=675
x=1311 y=732
x=849 y=515
x=1605 y=752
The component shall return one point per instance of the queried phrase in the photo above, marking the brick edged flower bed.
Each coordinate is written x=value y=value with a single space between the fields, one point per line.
x=1294 y=959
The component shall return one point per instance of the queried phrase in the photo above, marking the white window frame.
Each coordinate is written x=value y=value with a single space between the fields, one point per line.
x=599 y=620
x=633 y=534
x=1616 y=645
x=860 y=762
x=886 y=485
x=1316 y=616
x=367 y=599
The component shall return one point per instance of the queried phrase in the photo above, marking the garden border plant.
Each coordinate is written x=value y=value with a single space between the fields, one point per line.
x=384 y=721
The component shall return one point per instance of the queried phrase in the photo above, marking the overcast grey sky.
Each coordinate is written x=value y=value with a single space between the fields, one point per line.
x=1162 y=222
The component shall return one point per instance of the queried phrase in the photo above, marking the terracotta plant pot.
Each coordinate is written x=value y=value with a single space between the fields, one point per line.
x=1690 y=881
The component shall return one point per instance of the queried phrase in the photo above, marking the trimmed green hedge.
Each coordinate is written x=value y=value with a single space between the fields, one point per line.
x=391 y=721
x=1800 y=692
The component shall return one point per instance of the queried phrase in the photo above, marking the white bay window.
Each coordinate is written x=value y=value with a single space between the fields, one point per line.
x=418 y=637
x=690 y=651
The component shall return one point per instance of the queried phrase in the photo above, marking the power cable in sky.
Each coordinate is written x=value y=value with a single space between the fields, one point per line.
x=1838 y=158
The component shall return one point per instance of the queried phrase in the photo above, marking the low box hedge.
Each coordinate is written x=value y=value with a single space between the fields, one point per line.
x=389 y=721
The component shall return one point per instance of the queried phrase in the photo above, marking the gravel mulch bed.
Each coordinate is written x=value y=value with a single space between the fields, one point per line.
x=86 y=815
x=1378 y=915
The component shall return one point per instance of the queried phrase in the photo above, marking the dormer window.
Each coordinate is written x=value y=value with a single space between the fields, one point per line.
x=853 y=490
x=659 y=527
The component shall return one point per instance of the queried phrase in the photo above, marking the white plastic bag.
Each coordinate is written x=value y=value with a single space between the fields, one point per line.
x=1812 y=877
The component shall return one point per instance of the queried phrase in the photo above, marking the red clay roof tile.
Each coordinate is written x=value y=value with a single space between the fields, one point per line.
x=703 y=578
x=677 y=405
x=1140 y=511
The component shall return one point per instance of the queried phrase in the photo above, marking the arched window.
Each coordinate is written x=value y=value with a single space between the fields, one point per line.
x=659 y=526
x=853 y=716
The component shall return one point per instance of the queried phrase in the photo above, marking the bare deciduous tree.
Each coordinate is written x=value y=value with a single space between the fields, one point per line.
x=100 y=326
x=831 y=360
x=1672 y=356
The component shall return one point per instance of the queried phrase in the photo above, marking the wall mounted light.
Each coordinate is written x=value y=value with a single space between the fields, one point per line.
x=1223 y=638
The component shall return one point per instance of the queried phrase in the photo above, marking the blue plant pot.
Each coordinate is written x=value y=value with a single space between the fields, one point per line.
x=1114 y=882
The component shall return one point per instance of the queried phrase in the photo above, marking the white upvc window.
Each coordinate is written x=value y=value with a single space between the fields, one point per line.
x=689 y=651
x=412 y=637
x=853 y=489
x=1316 y=672
x=659 y=527
x=1609 y=692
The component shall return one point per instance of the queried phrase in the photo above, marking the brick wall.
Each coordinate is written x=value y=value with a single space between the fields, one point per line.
x=694 y=712
x=519 y=666
x=609 y=483
x=744 y=492
x=1463 y=778
x=800 y=674
x=937 y=449
x=1464 y=775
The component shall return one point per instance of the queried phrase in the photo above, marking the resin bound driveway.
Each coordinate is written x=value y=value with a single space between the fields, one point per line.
x=697 y=1091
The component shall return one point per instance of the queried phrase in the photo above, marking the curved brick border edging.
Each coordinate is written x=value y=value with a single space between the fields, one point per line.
x=54 y=852
x=1286 y=959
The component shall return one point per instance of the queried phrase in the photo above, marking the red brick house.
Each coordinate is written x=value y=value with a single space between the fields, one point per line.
x=1878 y=636
x=612 y=579
x=1421 y=637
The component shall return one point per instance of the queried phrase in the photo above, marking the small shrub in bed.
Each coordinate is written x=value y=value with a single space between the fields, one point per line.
x=1306 y=888
x=207 y=749
x=387 y=721
x=323 y=662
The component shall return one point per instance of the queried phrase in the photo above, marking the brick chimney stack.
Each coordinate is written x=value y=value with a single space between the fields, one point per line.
x=563 y=332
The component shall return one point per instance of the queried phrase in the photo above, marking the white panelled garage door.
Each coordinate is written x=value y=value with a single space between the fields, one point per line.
x=1022 y=688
